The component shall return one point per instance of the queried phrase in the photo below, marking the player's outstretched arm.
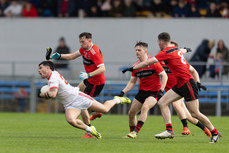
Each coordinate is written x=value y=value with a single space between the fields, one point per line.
x=65 y=56
x=130 y=85
x=140 y=65
x=98 y=71
x=145 y=63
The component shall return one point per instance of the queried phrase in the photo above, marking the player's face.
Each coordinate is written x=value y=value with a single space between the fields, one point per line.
x=140 y=51
x=160 y=44
x=85 y=43
x=43 y=71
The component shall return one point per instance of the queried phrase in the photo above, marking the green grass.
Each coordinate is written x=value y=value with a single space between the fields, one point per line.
x=50 y=133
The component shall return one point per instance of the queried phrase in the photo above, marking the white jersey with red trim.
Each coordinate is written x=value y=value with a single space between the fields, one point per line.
x=66 y=92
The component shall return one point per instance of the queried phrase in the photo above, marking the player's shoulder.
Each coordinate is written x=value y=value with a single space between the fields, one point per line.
x=54 y=75
x=95 y=49
x=136 y=63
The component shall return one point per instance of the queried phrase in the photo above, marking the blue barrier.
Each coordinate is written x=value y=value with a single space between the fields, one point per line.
x=7 y=88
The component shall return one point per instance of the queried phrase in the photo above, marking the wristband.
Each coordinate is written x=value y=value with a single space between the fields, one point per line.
x=89 y=75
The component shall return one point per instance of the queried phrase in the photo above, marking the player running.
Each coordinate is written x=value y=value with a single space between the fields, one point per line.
x=179 y=105
x=150 y=89
x=186 y=87
x=93 y=79
x=73 y=100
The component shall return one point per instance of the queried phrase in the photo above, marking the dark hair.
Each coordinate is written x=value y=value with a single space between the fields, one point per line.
x=50 y=64
x=164 y=36
x=86 y=34
x=62 y=39
x=140 y=43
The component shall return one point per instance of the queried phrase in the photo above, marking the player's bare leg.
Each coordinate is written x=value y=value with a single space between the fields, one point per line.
x=134 y=110
x=84 y=113
x=147 y=105
x=195 y=121
x=104 y=108
x=72 y=118
x=193 y=107
x=86 y=120
x=169 y=97
x=181 y=112
x=72 y=115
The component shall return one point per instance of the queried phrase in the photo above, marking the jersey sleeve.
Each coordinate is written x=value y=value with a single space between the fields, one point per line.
x=98 y=58
x=161 y=56
x=158 y=68
x=133 y=74
x=53 y=83
x=80 y=51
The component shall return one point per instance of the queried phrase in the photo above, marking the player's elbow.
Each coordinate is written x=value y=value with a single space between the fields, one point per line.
x=102 y=68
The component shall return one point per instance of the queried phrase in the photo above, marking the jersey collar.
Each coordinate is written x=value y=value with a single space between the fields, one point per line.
x=49 y=76
x=90 y=47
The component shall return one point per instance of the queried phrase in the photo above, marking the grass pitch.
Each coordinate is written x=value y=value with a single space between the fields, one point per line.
x=50 y=133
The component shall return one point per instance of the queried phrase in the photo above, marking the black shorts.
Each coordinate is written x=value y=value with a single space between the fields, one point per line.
x=189 y=90
x=91 y=89
x=142 y=95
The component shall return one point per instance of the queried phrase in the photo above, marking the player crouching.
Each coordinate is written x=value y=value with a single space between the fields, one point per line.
x=72 y=99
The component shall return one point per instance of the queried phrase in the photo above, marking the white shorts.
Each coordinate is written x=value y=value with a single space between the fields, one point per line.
x=83 y=101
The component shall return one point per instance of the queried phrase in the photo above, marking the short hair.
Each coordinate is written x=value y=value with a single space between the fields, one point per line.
x=174 y=43
x=86 y=34
x=50 y=64
x=164 y=36
x=140 y=43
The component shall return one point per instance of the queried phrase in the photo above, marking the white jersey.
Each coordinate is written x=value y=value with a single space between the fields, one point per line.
x=67 y=93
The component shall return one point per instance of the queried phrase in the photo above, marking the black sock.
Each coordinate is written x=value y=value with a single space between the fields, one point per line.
x=89 y=125
x=184 y=122
x=200 y=125
x=138 y=126
x=132 y=128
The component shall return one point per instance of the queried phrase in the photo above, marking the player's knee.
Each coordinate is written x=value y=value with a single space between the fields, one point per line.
x=145 y=108
x=70 y=121
x=131 y=113
x=195 y=114
x=105 y=110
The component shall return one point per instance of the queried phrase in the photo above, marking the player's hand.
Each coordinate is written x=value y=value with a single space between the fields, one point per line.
x=121 y=94
x=128 y=69
x=48 y=53
x=84 y=75
x=56 y=56
x=200 y=86
x=159 y=95
x=188 y=49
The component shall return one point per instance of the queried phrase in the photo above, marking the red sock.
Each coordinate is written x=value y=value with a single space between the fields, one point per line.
x=214 y=132
x=169 y=127
x=139 y=126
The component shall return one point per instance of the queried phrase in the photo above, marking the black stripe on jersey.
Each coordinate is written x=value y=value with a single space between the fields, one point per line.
x=167 y=70
x=87 y=62
x=145 y=73
x=171 y=50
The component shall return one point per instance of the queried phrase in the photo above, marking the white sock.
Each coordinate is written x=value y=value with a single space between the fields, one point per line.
x=117 y=100
x=88 y=129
